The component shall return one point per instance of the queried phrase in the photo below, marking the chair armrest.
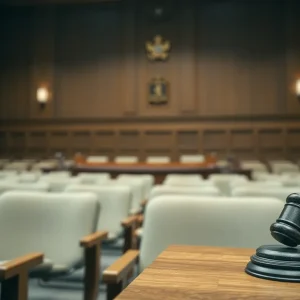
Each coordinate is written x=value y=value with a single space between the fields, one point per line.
x=93 y=239
x=130 y=221
x=119 y=270
x=144 y=203
x=16 y=266
x=140 y=220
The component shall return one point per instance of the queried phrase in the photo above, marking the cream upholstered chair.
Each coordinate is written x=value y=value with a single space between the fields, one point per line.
x=288 y=179
x=148 y=181
x=185 y=180
x=280 y=166
x=45 y=164
x=29 y=176
x=164 y=190
x=52 y=224
x=8 y=175
x=280 y=193
x=58 y=183
x=158 y=160
x=97 y=159
x=210 y=221
x=254 y=165
x=92 y=178
x=114 y=202
x=268 y=184
x=19 y=186
x=18 y=166
x=192 y=158
x=56 y=174
x=137 y=186
x=224 y=181
x=126 y=159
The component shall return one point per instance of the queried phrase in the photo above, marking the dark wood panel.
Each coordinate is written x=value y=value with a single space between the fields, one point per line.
x=158 y=139
x=242 y=139
x=128 y=141
x=188 y=140
x=37 y=139
x=245 y=140
x=214 y=140
x=271 y=138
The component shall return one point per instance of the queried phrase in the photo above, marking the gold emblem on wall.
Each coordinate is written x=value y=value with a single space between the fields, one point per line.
x=158 y=91
x=158 y=49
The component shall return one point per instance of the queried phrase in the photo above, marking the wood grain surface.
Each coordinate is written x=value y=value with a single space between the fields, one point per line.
x=192 y=272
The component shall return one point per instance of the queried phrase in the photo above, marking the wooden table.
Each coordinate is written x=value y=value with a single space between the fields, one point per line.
x=210 y=273
x=159 y=171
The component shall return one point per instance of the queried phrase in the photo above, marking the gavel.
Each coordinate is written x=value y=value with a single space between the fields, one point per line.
x=280 y=262
x=286 y=229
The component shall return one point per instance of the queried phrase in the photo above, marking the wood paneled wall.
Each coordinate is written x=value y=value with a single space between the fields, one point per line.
x=246 y=140
x=232 y=73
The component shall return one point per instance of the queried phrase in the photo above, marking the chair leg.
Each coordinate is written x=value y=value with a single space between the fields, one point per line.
x=15 y=288
x=113 y=290
x=92 y=271
x=128 y=238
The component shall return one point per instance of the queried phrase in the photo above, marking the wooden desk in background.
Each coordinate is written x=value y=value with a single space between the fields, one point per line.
x=193 y=272
x=159 y=171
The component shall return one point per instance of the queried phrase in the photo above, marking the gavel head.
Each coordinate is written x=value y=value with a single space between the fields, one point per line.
x=286 y=229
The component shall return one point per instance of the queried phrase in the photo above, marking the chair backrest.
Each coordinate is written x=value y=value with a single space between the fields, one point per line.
x=97 y=159
x=126 y=159
x=114 y=202
x=148 y=181
x=158 y=160
x=184 y=180
x=279 y=167
x=137 y=191
x=192 y=158
x=92 y=178
x=266 y=191
x=60 y=174
x=289 y=179
x=224 y=181
x=254 y=165
x=45 y=164
x=8 y=174
x=161 y=190
x=59 y=183
x=256 y=184
x=17 y=166
x=28 y=177
x=209 y=221
x=19 y=186
x=48 y=223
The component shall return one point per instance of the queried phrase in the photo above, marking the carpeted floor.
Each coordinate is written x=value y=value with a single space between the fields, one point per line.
x=71 y=287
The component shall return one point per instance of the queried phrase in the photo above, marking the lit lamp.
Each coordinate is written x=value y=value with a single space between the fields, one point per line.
x=42 y=96
x=298 y=89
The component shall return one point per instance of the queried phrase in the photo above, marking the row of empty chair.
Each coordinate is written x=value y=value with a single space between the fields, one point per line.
x=275 y=166
x=141 y=185
x=50 y=223
x=184 y=209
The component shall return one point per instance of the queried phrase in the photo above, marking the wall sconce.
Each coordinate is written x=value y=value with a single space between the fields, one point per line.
x=298 y=88
x=42 y=96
